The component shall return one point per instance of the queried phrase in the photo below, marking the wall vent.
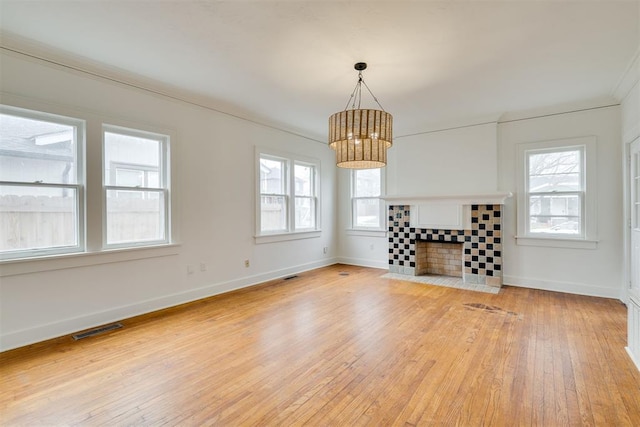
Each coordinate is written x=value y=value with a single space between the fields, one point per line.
x=97 y=331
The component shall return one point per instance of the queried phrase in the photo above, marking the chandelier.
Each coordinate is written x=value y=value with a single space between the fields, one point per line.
x=360 y=137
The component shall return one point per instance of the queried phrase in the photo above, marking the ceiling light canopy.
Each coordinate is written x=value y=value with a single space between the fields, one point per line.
x=360 y=137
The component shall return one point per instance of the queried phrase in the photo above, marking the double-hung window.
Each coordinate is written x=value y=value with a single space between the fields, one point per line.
x=274 y=198
x=304 y=196
x=288 y=195
x=367 y=207
x=136 y=187
x=556 y=199
x=41 y=184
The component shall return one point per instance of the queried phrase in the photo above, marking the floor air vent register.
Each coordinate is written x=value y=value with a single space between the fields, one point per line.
x=97 y=331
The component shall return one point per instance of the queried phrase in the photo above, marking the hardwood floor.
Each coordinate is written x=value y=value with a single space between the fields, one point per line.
x=332 y=349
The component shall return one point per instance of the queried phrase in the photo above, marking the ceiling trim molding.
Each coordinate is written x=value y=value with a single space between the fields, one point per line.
x=629 y=78
x=16 y=45
x=556 y=110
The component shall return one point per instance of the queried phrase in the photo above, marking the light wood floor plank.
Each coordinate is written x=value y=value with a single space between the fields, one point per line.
x=330 y=349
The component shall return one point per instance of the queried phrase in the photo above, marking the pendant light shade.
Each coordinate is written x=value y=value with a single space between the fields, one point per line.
x=361 y=137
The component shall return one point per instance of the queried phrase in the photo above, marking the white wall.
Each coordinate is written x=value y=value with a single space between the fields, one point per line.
x=482 y=159
x=629 y=92
x=452 y=162
x=585 y=271
x=458 y=161
x=366 y=248
x=215 y=200
x=213 y=184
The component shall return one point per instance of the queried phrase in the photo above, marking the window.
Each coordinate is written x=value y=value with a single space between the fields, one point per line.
x=556 y=200
x=288 y=201
x=305 y=196
x=136 y=187
x=555 y=191
x=41 y=184
x=366 y=205
x=273 y=195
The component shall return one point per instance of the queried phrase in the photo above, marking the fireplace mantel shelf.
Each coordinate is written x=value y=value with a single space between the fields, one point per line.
x=461 y=199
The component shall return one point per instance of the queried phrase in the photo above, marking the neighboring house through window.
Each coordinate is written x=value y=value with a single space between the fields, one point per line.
x=41 y=184
x=288 y=195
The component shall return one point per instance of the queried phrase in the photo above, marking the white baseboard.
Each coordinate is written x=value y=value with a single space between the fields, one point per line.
x=634 y=359
x=68 y=326
x=566 y=287
x=363 y=262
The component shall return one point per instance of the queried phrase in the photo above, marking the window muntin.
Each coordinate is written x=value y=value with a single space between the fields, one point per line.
x=136 y=187
x=555 y=191
x=366 y=204
x=41 y=184
x=288 y=194
x=273 y=194
x=305 y=196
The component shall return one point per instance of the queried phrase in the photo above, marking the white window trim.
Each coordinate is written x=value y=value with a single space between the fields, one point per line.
x=354 y=230
x=588 y=237
x=290 y=233
x=84 y=259
x=80 y=185
x=164 y=178
x=313 y=198
x=92 y=252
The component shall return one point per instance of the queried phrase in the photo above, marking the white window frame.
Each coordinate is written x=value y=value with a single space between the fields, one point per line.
x=285 y=194
x=313 y=198
x=164 y=177
x=587 y=238
x=382 y=210
x=291 y=232
x=79 y=186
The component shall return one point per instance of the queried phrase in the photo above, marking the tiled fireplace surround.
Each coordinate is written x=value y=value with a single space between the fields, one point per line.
x=481 y=245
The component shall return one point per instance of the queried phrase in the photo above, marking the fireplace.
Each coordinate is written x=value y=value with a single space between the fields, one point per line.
x=439 y=258
x=479 y=245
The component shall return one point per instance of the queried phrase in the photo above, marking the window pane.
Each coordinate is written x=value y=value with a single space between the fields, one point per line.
x=127 y=158
x=555 y=214
x=556 y=171
x=272 y=176
x=367 y=183
x=37 y=217
x=33 y=150
x=303 y=180
x=135 y=216
x=129 y=177
x=555 y=205
x=367 y=213
x=305 y=212
x=273 y=213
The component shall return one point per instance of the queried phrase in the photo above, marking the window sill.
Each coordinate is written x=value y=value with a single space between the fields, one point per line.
x=554 y=242
x=366 y=232
x=282 y=237
x=634 y=296
x=16 y=267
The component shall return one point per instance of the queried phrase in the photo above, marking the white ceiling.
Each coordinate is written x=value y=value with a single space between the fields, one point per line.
x=290 y=63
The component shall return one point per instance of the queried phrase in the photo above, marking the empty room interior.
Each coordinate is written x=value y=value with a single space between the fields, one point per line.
x=332 y=213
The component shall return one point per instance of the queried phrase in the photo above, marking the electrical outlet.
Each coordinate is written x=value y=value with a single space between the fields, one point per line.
x=246 y=263
x=190 y=269
x=203 y=266
x=325 y=250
